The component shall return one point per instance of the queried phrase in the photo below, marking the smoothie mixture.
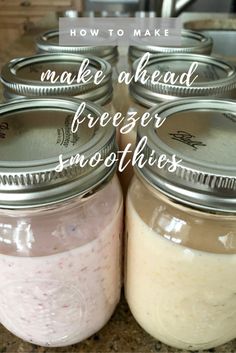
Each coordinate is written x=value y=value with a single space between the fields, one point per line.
x=60 y=269
x=185 y=290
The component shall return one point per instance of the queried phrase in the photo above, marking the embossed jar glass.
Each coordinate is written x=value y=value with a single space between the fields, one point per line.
x=216 y=78
x=181 y=227
x=60 y=231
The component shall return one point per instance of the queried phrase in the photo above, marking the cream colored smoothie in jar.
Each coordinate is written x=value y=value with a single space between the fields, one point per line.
x=208 y=77
x=181 y=226
x=60 y=228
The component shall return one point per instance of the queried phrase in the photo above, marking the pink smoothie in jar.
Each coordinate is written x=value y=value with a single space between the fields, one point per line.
x=60 y=236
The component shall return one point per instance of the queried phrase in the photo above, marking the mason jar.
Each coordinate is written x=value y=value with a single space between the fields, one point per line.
x=60 y=244
x=48 y=42
x=216 y=78
x=191 y=42
x=181 y=226
x=22 y=77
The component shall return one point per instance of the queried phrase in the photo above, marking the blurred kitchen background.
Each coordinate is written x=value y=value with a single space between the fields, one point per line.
x=20 y=16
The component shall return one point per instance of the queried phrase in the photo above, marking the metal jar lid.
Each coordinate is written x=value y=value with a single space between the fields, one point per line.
x=33 y=134
x=191 y=42
x=201 y=133
x=22 y=77
x=216 y=78
x=48 y=42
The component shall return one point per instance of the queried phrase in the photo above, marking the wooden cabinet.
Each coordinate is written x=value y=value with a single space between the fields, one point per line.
x=18 y=16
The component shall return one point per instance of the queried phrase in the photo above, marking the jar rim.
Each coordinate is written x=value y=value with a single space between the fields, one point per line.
x=205 y=178
x=203 y=45
x=180 y=204
x=223 y=83
x=15 y=84
x=45 y=44
x=28 y=176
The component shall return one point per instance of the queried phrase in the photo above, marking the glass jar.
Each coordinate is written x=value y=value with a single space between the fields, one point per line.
x=48 y=42
x=181 y=227
x=22 y=77
x=216 y=78
x=60 y=244
x=191 y=42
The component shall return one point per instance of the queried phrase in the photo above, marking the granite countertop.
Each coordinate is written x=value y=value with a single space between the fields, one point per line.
x=122 y=334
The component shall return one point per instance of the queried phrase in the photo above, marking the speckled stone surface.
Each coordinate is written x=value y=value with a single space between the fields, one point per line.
x=122 y=334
